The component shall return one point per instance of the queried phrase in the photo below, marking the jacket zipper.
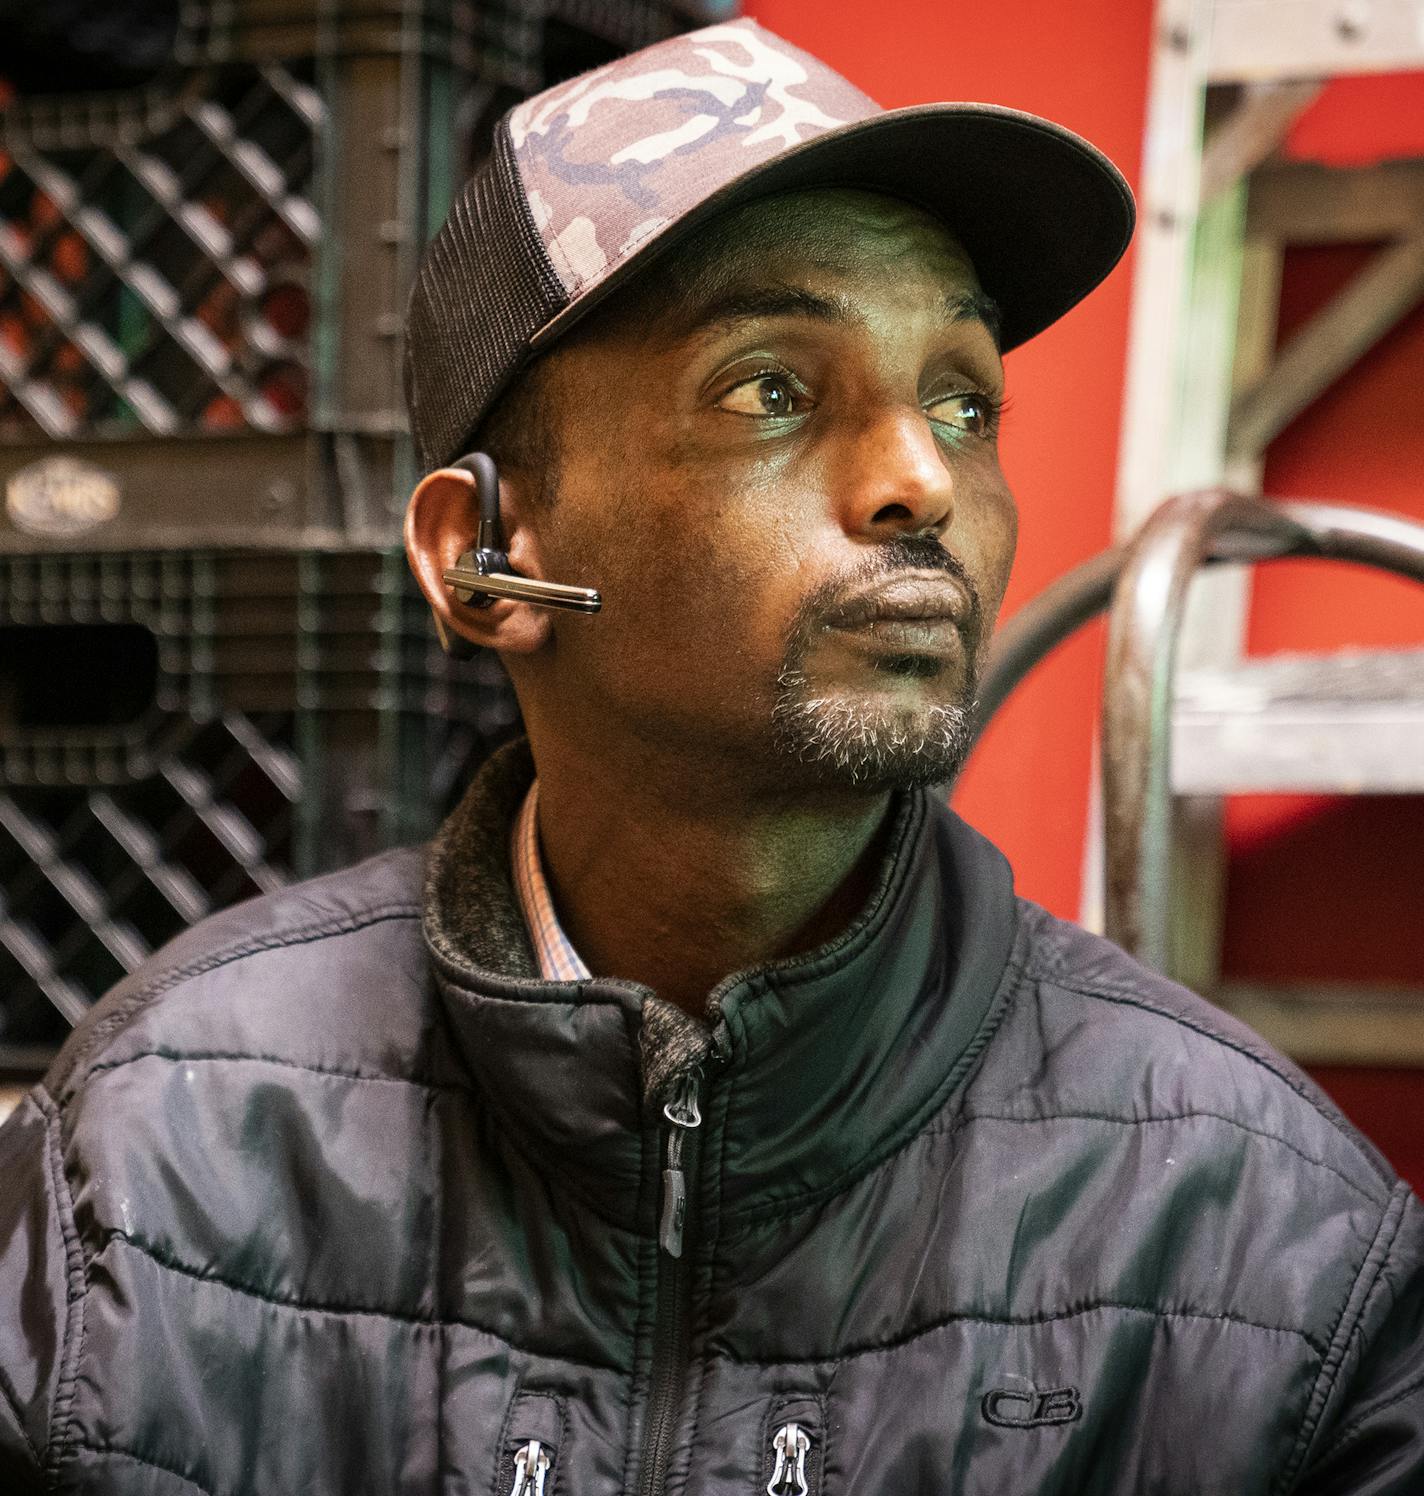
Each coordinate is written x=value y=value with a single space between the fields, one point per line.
x=530 y=1445
x=531 y=1468
x=671 y=1330
x=789 y=1447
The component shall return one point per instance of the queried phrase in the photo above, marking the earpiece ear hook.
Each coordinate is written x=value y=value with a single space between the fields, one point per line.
x=483 y=574
x=489 y=554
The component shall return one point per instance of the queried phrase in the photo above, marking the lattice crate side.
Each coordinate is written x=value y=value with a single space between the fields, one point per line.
x=82 y=614
x=95 y=878
x=435 y=719
x=112 y=856
x=261 y=30
x=113 y=836
x=154 y=257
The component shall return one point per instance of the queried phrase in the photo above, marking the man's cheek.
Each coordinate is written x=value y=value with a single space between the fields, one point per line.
x=986 y=544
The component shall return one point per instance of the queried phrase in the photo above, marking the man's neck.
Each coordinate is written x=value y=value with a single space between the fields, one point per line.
x=660 y=884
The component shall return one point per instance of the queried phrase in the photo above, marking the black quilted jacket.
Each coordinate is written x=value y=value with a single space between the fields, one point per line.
x=334 y=1196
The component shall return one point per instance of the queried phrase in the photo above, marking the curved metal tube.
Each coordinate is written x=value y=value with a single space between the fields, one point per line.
x=1076 y=598
x=1371 y=537
x=1148 y=605
x=1147 y=582
x=1041 y=625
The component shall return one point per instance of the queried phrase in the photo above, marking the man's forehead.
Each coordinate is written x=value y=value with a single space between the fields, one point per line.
x=830 y=213
x=785 y=254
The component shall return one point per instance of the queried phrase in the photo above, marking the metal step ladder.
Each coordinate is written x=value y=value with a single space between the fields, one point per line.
x=1206 y=393
x=1348 y=723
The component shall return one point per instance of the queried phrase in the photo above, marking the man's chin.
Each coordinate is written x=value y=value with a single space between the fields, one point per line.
x=873 y=742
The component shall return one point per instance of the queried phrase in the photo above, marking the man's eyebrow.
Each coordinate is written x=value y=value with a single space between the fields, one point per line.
x=796 y=301
x=975 y=306
x=771 y=301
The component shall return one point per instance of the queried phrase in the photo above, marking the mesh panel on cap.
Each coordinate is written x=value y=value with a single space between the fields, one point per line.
x=485 y=287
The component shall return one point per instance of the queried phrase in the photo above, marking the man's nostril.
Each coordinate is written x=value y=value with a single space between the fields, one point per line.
x=892 y=514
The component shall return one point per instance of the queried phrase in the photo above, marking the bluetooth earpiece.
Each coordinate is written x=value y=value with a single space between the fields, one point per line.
x=483 y=574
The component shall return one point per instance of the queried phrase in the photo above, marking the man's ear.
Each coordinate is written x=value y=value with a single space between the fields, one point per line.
x=442 y=522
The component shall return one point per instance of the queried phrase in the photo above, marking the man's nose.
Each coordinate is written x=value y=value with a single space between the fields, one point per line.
x=895 y=480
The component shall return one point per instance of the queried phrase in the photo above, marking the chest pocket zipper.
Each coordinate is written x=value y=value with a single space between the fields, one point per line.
x=530 y=1443
x=531 y=1469
x=794 y=1447
x=790 y=1445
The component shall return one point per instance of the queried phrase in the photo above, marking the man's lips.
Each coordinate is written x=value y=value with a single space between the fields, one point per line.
x=913 y=599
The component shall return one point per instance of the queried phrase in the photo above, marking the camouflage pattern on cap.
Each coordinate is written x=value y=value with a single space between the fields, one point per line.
x=605 y=158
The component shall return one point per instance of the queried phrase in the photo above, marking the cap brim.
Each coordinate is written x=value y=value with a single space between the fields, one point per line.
x=1043 y=215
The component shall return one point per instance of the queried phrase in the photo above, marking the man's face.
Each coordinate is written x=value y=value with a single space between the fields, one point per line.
x=785 y=481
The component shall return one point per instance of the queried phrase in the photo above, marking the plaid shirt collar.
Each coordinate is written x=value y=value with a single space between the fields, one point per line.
x=558 y=960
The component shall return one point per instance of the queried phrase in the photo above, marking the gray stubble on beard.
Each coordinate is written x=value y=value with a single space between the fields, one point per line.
x=866 y=747
x=861 y=745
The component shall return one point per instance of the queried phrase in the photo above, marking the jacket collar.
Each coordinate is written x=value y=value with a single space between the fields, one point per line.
x=815 y=1066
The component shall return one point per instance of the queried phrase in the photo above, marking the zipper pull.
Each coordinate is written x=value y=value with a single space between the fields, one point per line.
x=683 y=1114
x=531 y=1465
x=788 y=1478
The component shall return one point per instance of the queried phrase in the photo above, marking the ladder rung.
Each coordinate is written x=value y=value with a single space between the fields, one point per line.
x=1262 y=40
x=1332 y=1023
x=1350 y=723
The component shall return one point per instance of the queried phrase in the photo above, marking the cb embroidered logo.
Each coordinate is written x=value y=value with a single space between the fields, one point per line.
x=1014 y=1407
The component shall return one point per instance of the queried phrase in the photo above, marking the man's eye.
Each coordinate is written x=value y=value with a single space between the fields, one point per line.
x=971 y=412
x=766 y=395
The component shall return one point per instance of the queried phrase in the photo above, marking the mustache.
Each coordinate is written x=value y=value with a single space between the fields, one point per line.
x=889 y=559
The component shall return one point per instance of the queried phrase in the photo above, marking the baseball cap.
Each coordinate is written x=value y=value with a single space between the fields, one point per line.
x=590 y=181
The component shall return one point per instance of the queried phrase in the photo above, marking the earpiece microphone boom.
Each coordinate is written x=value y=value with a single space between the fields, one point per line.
x=483 y=574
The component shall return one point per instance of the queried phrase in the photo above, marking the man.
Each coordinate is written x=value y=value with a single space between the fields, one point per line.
x=705 y=1114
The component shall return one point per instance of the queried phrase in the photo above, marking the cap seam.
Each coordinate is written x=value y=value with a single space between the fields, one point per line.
x=531 y=232
x=503 y=174
x=530 y=228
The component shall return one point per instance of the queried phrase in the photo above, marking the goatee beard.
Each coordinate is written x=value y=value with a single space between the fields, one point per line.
x=862 y=746
x=867 y=745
